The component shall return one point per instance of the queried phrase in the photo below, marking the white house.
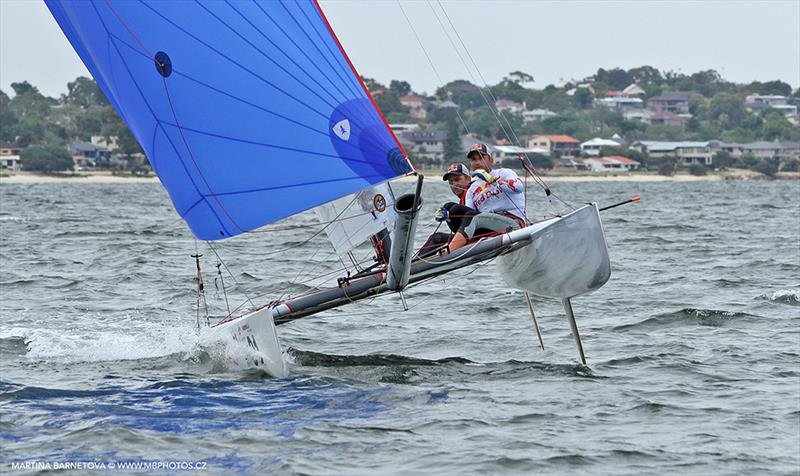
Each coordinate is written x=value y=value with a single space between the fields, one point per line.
x=605 y=164
x=593 y=146
x=537 y=115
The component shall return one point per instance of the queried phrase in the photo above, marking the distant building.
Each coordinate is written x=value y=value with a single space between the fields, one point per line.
x=537 y=115
x=619 y=103
x=507 y=105
x=424 y=143
x=605 y=164
x=676 y=102
x=557 y=145
x=503 y=152
x=86 y=155
x=110 y=142
x=418 y=106
x=10 y=162
x=398 y=128
x=686 y=152
x=593 y=146
x=667 y=118
x=9 y=148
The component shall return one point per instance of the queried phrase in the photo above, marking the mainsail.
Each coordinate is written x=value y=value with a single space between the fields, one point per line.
x=249 y=112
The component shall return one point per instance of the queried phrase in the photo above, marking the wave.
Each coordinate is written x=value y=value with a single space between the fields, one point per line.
x=690 y=316
x=783 y=296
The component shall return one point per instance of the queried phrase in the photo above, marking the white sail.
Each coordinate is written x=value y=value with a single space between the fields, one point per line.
x=352 y=220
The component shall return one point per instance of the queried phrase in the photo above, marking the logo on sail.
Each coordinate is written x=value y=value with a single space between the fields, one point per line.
x=342 y=129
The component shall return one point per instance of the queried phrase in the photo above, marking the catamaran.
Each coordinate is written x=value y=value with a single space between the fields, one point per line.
x=251 y=112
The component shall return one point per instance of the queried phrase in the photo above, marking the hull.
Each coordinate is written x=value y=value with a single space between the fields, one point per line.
x=251 y=342
x=566 y=257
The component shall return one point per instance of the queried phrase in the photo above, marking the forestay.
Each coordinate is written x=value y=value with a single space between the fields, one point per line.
x=249 y=112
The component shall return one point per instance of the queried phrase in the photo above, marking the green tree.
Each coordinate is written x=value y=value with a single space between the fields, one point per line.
x=791 y=165
x=84 y=92
x=727 y=109
x=768 y=167
x=616 y=78
x=747 y=161
x=697 y=169
x=401 y=88
x=452 y=146
x=7 y=118
x=583 y=98
x=776 y=126
x=46 y=158
x=723 y=159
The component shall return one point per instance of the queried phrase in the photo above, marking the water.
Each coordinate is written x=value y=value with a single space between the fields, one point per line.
x=693 y=346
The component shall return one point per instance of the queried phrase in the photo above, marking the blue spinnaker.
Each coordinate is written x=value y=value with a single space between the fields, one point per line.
x=249 y=111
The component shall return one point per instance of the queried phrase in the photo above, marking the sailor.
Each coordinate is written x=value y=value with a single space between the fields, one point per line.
x=458 y=177
x=493 y=192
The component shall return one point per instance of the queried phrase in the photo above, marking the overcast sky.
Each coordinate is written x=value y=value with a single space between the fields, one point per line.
x=551 y=40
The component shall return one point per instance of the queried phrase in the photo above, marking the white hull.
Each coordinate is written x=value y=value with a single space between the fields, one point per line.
x=251 y=341
x=567 y=256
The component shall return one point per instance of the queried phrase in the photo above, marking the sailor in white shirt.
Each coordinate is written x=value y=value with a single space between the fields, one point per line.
x=493 y=191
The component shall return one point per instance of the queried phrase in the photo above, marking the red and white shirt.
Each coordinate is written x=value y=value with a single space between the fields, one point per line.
x=507 y=194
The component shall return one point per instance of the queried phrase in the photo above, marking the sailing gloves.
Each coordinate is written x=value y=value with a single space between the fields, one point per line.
x=440 y=215
x=484 y=175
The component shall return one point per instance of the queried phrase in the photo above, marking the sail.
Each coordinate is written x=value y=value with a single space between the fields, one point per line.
x=352 y=220
x=248 y=112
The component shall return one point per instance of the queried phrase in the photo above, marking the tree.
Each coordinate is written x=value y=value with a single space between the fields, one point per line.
x=776 y=126
x=46 y=158
x=727 y=109
x=401 y=88
x=617 y=78
x=452 y=144
x=7 y=118
x=791 y=165
x=697 y=169
x=768 y=167
x=84 y=92
x=583 y=98
x=520 y=78
x=723 y=159
x=747 y=161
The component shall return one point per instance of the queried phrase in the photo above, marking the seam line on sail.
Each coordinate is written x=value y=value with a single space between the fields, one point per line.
x=237 y=98
x=341 y=68
x=341 y=98
x=366 y=91
x=278 y=65
x=266 y=81
x=354 y=94
x=321 y=39
x=294 y=185
x=155 y=118
x=275 y=146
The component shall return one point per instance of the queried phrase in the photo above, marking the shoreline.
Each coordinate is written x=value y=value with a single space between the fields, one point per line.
x=107 y=177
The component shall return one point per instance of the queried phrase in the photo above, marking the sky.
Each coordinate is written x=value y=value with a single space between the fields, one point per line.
x=550 y=40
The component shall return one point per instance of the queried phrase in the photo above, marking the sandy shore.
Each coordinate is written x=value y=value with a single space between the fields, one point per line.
x=106 y=177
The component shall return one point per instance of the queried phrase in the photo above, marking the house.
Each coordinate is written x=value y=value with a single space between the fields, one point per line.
x=399 y=128
x=634 y=90
x=507 y=105
x=418 y=106
x=8 y=149
x=503 y=152
x=557 y=145
x=619 y=103
x=86 y=155
x=676 y=102
x=667 y=118
x=110 y=142
x=593 y=146
x=424 y=143
x=537 y=115
x=757 y=102
x=612 y=163
x=641 y=115
x=686 y=152
x=10 y=162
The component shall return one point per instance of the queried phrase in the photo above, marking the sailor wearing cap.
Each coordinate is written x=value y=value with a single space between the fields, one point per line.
x=494 y=191
x=458 y=177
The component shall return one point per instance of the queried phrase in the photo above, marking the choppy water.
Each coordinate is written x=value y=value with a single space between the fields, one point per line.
x=693 y=346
